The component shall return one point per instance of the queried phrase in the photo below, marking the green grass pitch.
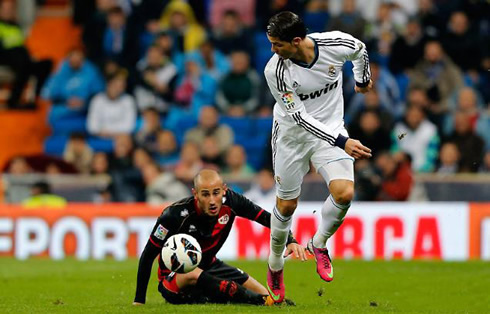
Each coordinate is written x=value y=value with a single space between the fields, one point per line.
x=69 y=286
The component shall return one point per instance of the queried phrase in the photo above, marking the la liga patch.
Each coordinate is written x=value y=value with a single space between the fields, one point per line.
x=288 y=100
x=161 y=232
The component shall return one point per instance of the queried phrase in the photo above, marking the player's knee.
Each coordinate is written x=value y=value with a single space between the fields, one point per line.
x=345 y=196
x=287 y=207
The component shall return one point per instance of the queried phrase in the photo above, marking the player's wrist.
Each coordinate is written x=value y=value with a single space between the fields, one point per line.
x=340 y=141
x=362 y=85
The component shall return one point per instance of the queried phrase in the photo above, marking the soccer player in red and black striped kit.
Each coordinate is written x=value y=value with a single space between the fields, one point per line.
x=207 y=216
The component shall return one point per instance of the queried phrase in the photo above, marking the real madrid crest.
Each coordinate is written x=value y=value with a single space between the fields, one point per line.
x=332 y=71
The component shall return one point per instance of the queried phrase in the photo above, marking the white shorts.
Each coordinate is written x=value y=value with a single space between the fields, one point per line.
x=292 y=152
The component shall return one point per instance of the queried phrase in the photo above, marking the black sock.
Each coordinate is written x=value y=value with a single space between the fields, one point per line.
x=223 y=291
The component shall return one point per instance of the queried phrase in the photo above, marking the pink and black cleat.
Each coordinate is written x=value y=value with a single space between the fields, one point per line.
x=324 y=266
x=275 y=285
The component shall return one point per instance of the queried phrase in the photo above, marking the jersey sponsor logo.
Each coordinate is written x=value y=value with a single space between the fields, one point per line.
x=320 y=92
x=288 y=100
x=184 y=212
x=224 y=219
x=332 y=71
x=161 y=232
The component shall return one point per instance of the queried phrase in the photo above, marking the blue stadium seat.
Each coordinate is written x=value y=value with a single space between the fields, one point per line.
x=243 y=126
x=68 y=125
x=55 y=145
x=100 y=144
x=262 y=51
x=263 y=126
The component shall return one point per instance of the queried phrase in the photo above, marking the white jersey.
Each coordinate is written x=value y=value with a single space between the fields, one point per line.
x=311 y=95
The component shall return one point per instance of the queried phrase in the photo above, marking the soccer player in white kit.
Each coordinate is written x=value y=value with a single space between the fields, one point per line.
x=305 y=78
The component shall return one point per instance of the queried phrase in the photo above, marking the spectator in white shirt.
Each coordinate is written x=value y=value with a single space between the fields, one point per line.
x=112 y=112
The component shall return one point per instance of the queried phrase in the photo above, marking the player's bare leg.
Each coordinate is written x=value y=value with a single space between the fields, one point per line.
x=280 y=226
x=333 y=212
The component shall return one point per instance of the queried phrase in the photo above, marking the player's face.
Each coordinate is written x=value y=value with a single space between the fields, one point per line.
x=209 y=196
x=284 y=49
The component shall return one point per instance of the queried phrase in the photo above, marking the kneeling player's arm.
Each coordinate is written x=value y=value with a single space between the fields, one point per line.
x=144 y=271
x=283 y=93
x=247 y=209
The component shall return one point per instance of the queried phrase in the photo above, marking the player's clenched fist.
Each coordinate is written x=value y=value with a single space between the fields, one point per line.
x=364 y=90
x=356 y=149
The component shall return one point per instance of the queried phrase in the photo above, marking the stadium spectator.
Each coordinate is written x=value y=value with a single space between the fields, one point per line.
x=244 y=10
x=238 y=92
x=449 y=158
x=431 y=18
x=167 y=154
x=370 y=132
x=262 y=191
x=19 y=166
x=209 y=126
x=14 y=55
x=485 y=168
x=127 y=182
x=42 y=197
x=78 y=153
x=157 y=76
x=316 y=15
x=470 y=145
x=371 y=102
x=386 y=89
x=100 y=164
x=368 y=181
x=466 y=101
x=237 y=167
x=231 y=35
x=141 y=157
x=179 y=20
x=408 y=48
x=190 y=163
x=417 y=137
x=461 y=43
x=162 y=187
x=211 y=154
x=112 y=112
x=438 y=75
x=148 y=35
x=194 y=89
x=169 y=49
x=211 y=61
x=397 y=178
x=349 y=21
x=381 y=33
x=72 y=85
x=146 y=136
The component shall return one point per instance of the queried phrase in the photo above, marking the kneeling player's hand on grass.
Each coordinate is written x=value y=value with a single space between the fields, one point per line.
x=356 y=149
x=298 y=250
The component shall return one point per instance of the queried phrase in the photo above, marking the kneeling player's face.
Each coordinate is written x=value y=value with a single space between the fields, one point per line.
x=284 y=49
x=210 y=197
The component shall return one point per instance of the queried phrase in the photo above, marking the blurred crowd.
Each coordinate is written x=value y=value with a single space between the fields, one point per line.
x=170 y=84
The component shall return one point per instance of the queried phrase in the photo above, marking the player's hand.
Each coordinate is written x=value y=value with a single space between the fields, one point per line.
x=356 y=149
x=137 y=303
x=298 y=250
x=364 y=90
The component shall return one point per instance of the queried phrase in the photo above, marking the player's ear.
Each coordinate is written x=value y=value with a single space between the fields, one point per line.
x=225 y=188
x=194 y=192
x=296 y=41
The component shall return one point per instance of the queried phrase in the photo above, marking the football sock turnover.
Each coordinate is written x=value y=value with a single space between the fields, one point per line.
x=223 y=291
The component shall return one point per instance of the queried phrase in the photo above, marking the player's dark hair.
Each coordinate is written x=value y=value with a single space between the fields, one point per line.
x=286 y=26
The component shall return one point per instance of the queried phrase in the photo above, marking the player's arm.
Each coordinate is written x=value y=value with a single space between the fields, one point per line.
x=247 y=209
x=360 y=61
x=161 y=231
x=281 y=88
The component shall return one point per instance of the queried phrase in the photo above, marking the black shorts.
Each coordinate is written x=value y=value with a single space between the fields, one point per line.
x=194 y=295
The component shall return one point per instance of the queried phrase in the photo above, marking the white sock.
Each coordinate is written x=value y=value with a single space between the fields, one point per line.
x=332 y=217
x=280 y=226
